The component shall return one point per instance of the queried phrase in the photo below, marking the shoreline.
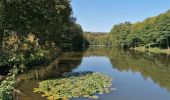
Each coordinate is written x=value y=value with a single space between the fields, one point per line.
x=152 y=50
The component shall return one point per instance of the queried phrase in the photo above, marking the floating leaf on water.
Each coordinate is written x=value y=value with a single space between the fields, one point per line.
x=94 y=97
x=74 y=85
x=86 y=96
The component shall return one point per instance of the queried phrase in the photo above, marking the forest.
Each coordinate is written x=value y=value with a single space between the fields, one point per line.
x=152 y=32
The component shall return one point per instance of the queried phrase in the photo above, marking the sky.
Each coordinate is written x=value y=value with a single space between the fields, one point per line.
x=101 y=15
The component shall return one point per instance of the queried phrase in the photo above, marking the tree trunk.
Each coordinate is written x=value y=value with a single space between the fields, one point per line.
x=167 y=43
x=1 y=37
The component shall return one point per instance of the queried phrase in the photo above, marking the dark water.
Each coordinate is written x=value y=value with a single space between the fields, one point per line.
x=137 y=76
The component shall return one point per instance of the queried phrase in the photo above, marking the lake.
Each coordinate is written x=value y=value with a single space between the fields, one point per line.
x=136 y=76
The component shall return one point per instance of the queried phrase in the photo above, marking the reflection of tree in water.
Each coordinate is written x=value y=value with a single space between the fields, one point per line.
x=29 y=80
x=65 y=63
x=156 y=67
x=97 y=51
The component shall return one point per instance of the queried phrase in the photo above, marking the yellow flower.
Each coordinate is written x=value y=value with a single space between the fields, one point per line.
x=12 y=39
x=51 y=98
x=64 y=98
x=31 y=38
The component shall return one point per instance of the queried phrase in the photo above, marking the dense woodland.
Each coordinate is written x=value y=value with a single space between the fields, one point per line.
x=97 y=38
x=50 y=21
x=152 y=32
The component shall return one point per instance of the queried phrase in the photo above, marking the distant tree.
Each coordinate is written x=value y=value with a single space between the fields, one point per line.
x=97 y=38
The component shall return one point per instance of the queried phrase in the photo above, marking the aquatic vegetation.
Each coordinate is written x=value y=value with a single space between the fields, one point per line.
x=74 y=85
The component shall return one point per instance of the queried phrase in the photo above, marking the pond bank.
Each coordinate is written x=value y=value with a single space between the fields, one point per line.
x=152 y=50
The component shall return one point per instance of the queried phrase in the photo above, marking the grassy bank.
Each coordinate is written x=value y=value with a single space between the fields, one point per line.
x=152 y=50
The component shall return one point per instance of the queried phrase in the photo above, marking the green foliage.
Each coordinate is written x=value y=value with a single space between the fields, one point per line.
x=154 y=30
x=48 y=20
x=23 y=51
x=97 y=38
x=38 y=17
x=73 y=37
x=120 y=33
x=7 y=86
x=76 y=84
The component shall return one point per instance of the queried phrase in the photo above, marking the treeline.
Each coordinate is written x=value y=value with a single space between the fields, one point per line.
x=97 y=38
x=152 y=32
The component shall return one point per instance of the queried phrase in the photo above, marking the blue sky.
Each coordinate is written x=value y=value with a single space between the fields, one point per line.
x=101 y=15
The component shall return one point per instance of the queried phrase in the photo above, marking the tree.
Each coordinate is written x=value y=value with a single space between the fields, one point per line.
x=45 y=18
x=72 y=37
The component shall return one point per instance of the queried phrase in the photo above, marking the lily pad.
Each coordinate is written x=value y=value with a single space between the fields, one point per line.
x=74 y=85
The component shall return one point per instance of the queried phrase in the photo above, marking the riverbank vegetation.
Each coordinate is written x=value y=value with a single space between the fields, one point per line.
x=8 y=85
x=155 y=50
x=153 y=32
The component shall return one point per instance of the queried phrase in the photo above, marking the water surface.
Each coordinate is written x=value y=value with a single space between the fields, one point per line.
x=137 y=76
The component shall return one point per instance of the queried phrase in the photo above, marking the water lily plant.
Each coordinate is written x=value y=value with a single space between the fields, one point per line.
x=74 y=85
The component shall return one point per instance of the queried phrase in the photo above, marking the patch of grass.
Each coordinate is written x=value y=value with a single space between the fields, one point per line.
x=152 y=50
x=74 y=85
x=140 y=49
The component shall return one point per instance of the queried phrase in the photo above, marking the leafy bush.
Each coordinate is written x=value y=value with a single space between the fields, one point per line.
x=7 y=86
x=24 y=51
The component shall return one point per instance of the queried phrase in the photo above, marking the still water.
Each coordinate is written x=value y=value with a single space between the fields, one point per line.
x=137 y=76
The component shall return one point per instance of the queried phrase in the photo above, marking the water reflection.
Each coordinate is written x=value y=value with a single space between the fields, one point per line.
x=146 y=72
x=156 y=67
x=67 y=62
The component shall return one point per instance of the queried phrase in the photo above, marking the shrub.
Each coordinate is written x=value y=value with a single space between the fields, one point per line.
x=24 y=51
x=7 y=86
